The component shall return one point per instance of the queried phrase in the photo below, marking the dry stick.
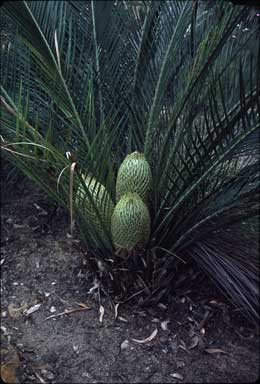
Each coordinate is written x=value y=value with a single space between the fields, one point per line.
x=72 y=169
x=39 y=377
x=67 y=312
x=135 y=294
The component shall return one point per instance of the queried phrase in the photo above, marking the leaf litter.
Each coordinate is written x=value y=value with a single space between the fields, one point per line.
x=177 y=376
x=101 y=313
x=148 y=339
x=164 y=325
x=216 y=350
x=182 y=332
x=67 y=312
x=32 y=309
x=16 y=312
x=9 y=363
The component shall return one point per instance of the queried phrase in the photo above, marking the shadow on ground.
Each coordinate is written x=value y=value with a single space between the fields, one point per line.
x=200 y=338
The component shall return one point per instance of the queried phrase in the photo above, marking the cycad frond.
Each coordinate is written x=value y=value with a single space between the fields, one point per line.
x=179 y=81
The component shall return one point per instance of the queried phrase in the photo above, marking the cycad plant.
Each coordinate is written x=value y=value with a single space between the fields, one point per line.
x=173 y=84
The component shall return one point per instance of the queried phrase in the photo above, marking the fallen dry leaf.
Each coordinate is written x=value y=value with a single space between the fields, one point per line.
x=182 y=346
x=215 y=350
x=75 y=348
x=72 y=222
x=116 y=309
x=40 y=366
x=122 y=319
x=42 y=381
x=194 y=342
x=19 y=226
x=164 y=325
x=45 y=213
x=31 y=310
x=66 y=312
x=124 y=344
x=177 y=376
x=148 y=339
x=162 y=306
x=213 y=302
x=180 y=363
x=8 y=368
x=16 y=312
x=101 y=313
x=8 y=374
x=4 y=330
x=82 y=305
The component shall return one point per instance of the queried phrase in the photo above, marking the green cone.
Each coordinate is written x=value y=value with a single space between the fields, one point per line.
x=134 y=175
x=130 y=223
x=102 y=201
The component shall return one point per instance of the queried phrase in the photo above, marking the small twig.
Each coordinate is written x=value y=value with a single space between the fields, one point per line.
x=39 y=377
x=67 y=312
x=135 y=294
x=204 y=320
x=218 y=336
x=72 y=169
x=242 y=336
x=61 y=300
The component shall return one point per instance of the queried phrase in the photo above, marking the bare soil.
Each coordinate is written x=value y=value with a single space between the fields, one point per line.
x=200 y=337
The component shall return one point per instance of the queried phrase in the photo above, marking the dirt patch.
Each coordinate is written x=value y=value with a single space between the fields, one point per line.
x=199 y=338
